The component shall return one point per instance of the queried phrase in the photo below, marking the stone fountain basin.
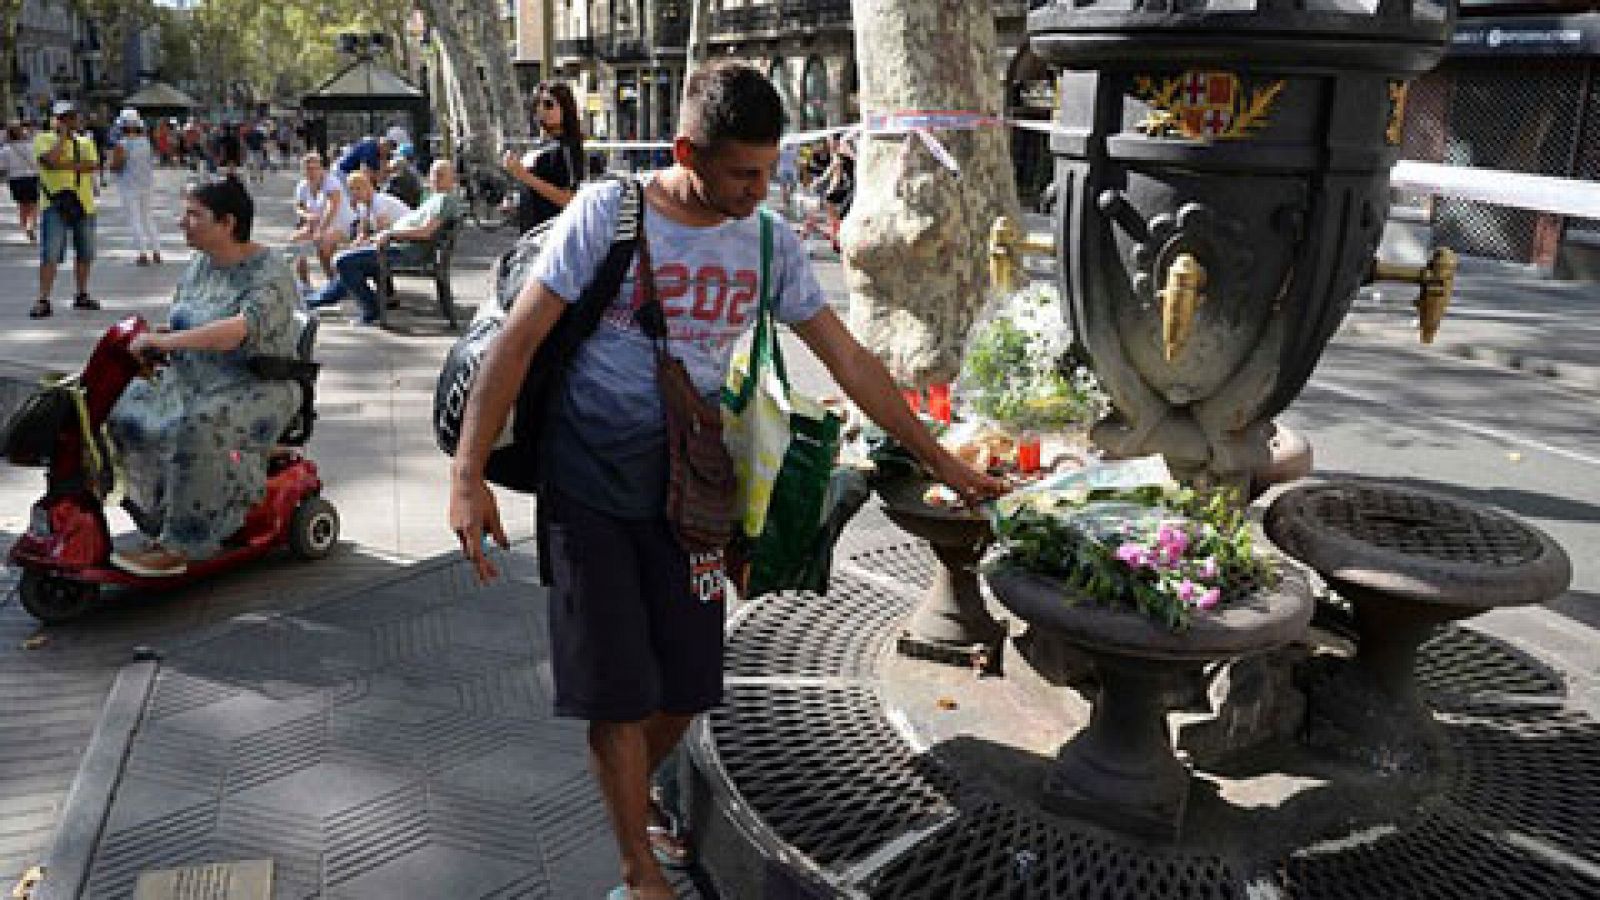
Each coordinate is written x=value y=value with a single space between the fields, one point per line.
x=1238 y=627
x=903 y=504
x=1420 y=545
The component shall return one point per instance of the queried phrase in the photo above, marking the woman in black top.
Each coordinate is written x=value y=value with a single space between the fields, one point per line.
x=550 y=173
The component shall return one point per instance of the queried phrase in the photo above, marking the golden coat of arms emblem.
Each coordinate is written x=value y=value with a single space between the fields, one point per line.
x=1205 y=105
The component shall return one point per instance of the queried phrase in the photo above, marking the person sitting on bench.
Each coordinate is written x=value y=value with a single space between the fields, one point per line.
x=403 y=242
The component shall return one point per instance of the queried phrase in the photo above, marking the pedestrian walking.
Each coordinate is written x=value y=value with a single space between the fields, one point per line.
x=255 y=146
x=635 y=630
x=22 y=175
x=229 y=149
x=162 y=139
x=133 y=162
x=552 y=171
x=68 y=162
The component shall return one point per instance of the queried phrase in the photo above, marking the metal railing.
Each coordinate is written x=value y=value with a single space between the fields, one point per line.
x=614 y=48
x=746 y=19
x=814 y=13
x=582 y=46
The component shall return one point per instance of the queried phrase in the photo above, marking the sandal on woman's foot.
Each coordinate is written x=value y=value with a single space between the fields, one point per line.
x=40 y=310
x=152 y=563
x=84 y=301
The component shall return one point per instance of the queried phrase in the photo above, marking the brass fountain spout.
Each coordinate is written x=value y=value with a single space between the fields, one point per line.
x=1180 y=299
x=1437 y=281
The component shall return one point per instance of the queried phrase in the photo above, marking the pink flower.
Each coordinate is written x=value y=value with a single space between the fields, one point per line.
x=1133 y=555
x=1173 y=541
x=1209 y=599
x=1187 y=591
x=1208 y=568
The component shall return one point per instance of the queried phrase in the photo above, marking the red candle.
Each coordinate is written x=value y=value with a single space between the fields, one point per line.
x=939 y=402
x=1028 y=461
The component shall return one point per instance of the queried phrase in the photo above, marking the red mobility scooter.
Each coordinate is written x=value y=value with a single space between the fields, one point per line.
x=65 y=553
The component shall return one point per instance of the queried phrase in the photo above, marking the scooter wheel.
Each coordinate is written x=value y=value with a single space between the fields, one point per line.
x=314 y=529
x=54 y=600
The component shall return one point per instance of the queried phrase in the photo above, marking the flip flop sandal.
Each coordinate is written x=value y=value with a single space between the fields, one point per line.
x=40 y=311
x=670 y=850
x=84 y=301
x=669 y=841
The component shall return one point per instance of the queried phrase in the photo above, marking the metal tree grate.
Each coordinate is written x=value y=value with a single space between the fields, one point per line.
x=1535 y=774
x=1461 y=668
x=801 y=634
x=1424 y=525
x=911 y=564
x=824 y=769
x=1447 y=855
x=999 y=851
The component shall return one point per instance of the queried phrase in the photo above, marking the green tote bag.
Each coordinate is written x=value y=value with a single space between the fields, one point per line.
x=784 y=446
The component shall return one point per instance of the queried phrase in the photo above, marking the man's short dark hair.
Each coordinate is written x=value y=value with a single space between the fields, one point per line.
x=730 y=101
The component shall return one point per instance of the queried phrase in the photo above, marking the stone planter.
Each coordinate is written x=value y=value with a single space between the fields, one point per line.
x=1120 y=771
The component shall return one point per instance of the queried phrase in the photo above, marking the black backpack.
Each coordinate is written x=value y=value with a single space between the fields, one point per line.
x=514 y=461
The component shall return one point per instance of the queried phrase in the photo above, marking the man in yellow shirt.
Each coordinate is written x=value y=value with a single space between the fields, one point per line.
x=67 y=165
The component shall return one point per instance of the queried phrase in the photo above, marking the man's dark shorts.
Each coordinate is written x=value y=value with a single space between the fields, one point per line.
x=628 y=638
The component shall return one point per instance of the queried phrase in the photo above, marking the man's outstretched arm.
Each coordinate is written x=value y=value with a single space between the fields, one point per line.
x=866 y=381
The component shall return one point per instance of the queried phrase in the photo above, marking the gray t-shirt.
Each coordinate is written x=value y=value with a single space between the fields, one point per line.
x=607 y=442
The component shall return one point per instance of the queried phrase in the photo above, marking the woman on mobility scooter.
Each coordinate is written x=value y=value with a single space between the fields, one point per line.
x=195 y=439
x=212 y=473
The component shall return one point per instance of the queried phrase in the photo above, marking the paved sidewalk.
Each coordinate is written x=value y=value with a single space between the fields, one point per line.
x=371 y=442
x=389 y=742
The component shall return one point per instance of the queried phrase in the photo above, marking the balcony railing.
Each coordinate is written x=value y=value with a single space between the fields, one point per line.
x=746 y=20
x=811 y=14
x=620 y=49
x=815 y=13
x=580 y=47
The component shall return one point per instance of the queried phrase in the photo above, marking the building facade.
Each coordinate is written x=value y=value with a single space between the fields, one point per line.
x=625 y=58
x=56 y=55
x=1519 y=90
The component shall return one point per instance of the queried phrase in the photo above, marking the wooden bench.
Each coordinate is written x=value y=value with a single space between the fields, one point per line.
x=435 y=263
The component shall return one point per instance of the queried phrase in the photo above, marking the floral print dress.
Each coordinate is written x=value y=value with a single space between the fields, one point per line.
x=194 y=440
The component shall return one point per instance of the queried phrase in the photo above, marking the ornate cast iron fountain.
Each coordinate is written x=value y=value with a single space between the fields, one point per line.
x=1224 y=183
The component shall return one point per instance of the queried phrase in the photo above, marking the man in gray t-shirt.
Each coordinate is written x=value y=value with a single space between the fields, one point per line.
x=634 y=650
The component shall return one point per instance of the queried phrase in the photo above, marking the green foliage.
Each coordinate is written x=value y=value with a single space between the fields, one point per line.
x=1012 y=370
x=280 y=49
